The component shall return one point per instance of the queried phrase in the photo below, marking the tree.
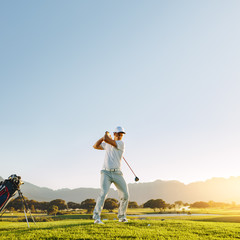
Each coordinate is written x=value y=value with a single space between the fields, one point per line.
x=170 y=206
x=73 y=205
x=200 y=205
x=160 y=204
x=133 y=205
x=33 y=205
x=219 y=204
x=88 y=204
x=33 y=209
x=149 y=204
x=110 y=204
x=178 y=203
x=52 y=210
x=61 y=204
x=154 y=204
x=43 y=206
x=16 y=203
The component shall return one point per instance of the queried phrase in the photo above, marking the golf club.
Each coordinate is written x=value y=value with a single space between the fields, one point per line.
x=136 y=178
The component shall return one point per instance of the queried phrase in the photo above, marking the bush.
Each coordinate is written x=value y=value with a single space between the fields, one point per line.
x=52 y=210
x=200 y=205
x=88 y=204
x=110 y=204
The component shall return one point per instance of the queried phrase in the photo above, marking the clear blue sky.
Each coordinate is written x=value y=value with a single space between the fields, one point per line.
x=167 y=71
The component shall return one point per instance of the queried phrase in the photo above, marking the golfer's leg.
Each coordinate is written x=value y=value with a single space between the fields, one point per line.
x=122 y=187
x=105 y=185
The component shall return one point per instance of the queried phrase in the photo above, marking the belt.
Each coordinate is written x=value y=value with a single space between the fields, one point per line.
x=112 y=169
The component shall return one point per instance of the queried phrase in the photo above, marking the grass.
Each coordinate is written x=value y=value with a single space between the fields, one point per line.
x=80 y=226
x=135 y=229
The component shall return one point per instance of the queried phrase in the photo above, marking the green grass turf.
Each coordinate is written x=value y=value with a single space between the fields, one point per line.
x=195 y=228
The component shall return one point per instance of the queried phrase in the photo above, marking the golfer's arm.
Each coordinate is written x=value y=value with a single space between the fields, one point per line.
x=108 y=140
x=97 y=145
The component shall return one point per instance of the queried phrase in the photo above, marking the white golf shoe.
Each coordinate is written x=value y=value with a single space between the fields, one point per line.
x=98 y=221
x=124 y=220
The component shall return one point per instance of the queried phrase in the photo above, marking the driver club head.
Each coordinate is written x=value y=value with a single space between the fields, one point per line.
x=136 y=179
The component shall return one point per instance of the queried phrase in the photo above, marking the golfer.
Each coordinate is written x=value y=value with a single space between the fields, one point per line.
x=111 y=173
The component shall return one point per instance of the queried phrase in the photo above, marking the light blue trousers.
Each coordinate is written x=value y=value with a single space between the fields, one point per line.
x=107 y=178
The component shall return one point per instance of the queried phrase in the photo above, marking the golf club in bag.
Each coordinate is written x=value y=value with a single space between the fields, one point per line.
x=8 y=189
x=136 y=178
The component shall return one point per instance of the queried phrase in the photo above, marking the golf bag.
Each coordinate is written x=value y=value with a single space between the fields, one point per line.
x=8 y=189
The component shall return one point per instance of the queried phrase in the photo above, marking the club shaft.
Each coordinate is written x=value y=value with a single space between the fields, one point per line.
x=129 y=167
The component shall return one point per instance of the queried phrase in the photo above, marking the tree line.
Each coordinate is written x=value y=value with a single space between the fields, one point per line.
x=54 y=206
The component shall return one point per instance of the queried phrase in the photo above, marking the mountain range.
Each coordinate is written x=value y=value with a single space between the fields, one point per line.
x=215 y=189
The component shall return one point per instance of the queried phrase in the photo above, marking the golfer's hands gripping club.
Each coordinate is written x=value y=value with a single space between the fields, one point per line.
x=107 y=134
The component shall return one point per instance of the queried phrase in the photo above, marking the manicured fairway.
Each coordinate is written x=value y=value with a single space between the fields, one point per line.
x=135 y=229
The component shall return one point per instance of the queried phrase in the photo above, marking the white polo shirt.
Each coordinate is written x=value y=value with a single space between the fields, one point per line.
x=113 y=155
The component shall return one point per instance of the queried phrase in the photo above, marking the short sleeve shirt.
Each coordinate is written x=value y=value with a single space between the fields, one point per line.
x=113 y=155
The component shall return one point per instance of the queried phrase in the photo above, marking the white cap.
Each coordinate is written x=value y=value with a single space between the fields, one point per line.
x=119 y=130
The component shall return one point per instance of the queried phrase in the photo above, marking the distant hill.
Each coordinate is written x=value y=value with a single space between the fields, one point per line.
x=75 y=195
x=216 y=189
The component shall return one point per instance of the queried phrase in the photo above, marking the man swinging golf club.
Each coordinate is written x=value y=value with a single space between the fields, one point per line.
x=111 y=173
